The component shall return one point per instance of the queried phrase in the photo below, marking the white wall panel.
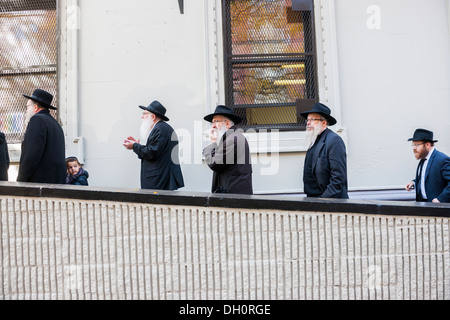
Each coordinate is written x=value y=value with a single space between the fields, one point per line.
x=57 y=249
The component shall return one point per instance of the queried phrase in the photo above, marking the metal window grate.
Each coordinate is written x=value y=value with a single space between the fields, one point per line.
x=28 y=59
x=270 y=62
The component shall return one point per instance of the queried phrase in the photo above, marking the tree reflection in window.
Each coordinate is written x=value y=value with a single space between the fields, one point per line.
x=270 y=61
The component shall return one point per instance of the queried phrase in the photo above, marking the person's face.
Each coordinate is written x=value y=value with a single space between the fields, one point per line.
x=146 y=115
x=315 y=121
x=31 y=107
x=220 y=123
x=73 y=167
x=421 y=149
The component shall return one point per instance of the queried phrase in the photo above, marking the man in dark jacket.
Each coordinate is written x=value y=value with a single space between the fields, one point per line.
x=228 y=155
x=43 y=148
x=432 y=182
x=4 y=158
x=325 y=168
x=160 y=165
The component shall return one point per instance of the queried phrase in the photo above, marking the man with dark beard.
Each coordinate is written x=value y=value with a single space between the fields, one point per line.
x=160 y=165
x=43 y=149
x=325 y=168
x=432 y=182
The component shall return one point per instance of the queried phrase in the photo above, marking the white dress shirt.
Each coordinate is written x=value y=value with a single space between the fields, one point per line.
x=422 y=174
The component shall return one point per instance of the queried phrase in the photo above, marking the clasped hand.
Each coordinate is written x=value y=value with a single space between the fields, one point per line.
x=129 y=142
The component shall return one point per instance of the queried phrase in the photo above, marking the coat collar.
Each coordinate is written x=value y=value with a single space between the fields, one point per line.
x=322 y=138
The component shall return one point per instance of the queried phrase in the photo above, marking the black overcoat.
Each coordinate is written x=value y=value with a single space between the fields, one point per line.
x=329 y=165
x=4 y=158
x=160 y=165
x=230 y=161
x=42 y=158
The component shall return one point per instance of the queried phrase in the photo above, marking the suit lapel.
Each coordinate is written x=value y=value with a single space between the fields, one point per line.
x=430 y=163
x=319 y=147
x=152 y=132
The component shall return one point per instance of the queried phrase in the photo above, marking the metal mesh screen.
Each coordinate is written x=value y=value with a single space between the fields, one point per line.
x=270 y=62
x=28 y=59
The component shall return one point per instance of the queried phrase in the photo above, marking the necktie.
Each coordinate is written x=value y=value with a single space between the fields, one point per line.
x=419 y=176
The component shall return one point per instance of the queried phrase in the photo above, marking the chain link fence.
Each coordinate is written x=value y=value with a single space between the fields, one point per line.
x=28 y=59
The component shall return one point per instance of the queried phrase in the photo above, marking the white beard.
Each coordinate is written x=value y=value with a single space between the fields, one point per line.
x=220 y=132
x=144 y=131
x=311 y=135
x=28 y=115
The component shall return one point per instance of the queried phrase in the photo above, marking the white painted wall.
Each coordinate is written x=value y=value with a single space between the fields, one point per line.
x=389 y=75
x=393 y=80
x=131 y=53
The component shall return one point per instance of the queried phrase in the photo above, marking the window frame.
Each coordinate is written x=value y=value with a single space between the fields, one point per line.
x=15 y=7
x=327 y=74
x=312 y=85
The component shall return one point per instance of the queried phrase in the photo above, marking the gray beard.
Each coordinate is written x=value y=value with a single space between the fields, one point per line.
x=311 y=136
x=144 y=131
x=28 y=116
x=220 y=133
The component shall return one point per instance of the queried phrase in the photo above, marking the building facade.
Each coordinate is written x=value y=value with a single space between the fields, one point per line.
x=382 y=68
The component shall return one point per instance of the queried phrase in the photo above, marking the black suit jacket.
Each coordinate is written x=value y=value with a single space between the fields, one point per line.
x=230 y=162
x=160 y=165
x=4 y=158
x=43 y=151
x=329 y=165
x=437 y=178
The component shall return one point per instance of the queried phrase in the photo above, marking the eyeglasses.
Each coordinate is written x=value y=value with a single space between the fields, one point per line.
x=216 y=121
x=415 y=145
x=308 y=120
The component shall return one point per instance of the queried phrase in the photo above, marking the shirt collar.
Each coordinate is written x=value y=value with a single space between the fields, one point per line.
x=429 y=154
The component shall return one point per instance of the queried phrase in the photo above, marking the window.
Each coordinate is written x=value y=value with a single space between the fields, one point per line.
x=270 y=61
x=28 y=59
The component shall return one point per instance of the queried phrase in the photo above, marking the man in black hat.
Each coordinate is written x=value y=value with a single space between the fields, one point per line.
x=325 y=168
x=228 y=155
x=432 y=182
x=160 y=165
x=42 y=158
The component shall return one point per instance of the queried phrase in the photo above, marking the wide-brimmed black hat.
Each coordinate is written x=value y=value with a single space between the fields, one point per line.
x=322 y=110
x=423 y=135
x=224 y=111
x=42 y=97
x=156 y=108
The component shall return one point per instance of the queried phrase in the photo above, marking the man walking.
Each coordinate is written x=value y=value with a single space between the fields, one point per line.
x=325 y=168
x=43 y=148
x=158 y=150
x=228 y=155
x=432 y=182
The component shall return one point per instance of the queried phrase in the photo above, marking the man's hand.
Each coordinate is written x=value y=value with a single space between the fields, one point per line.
x=129 y=142
x=410 y=186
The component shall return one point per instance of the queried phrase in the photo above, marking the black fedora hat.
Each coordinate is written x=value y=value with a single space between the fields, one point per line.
x=224 y=111
x=423 y=135
x=156 y=108
x=42 y=97
x=322 y=110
